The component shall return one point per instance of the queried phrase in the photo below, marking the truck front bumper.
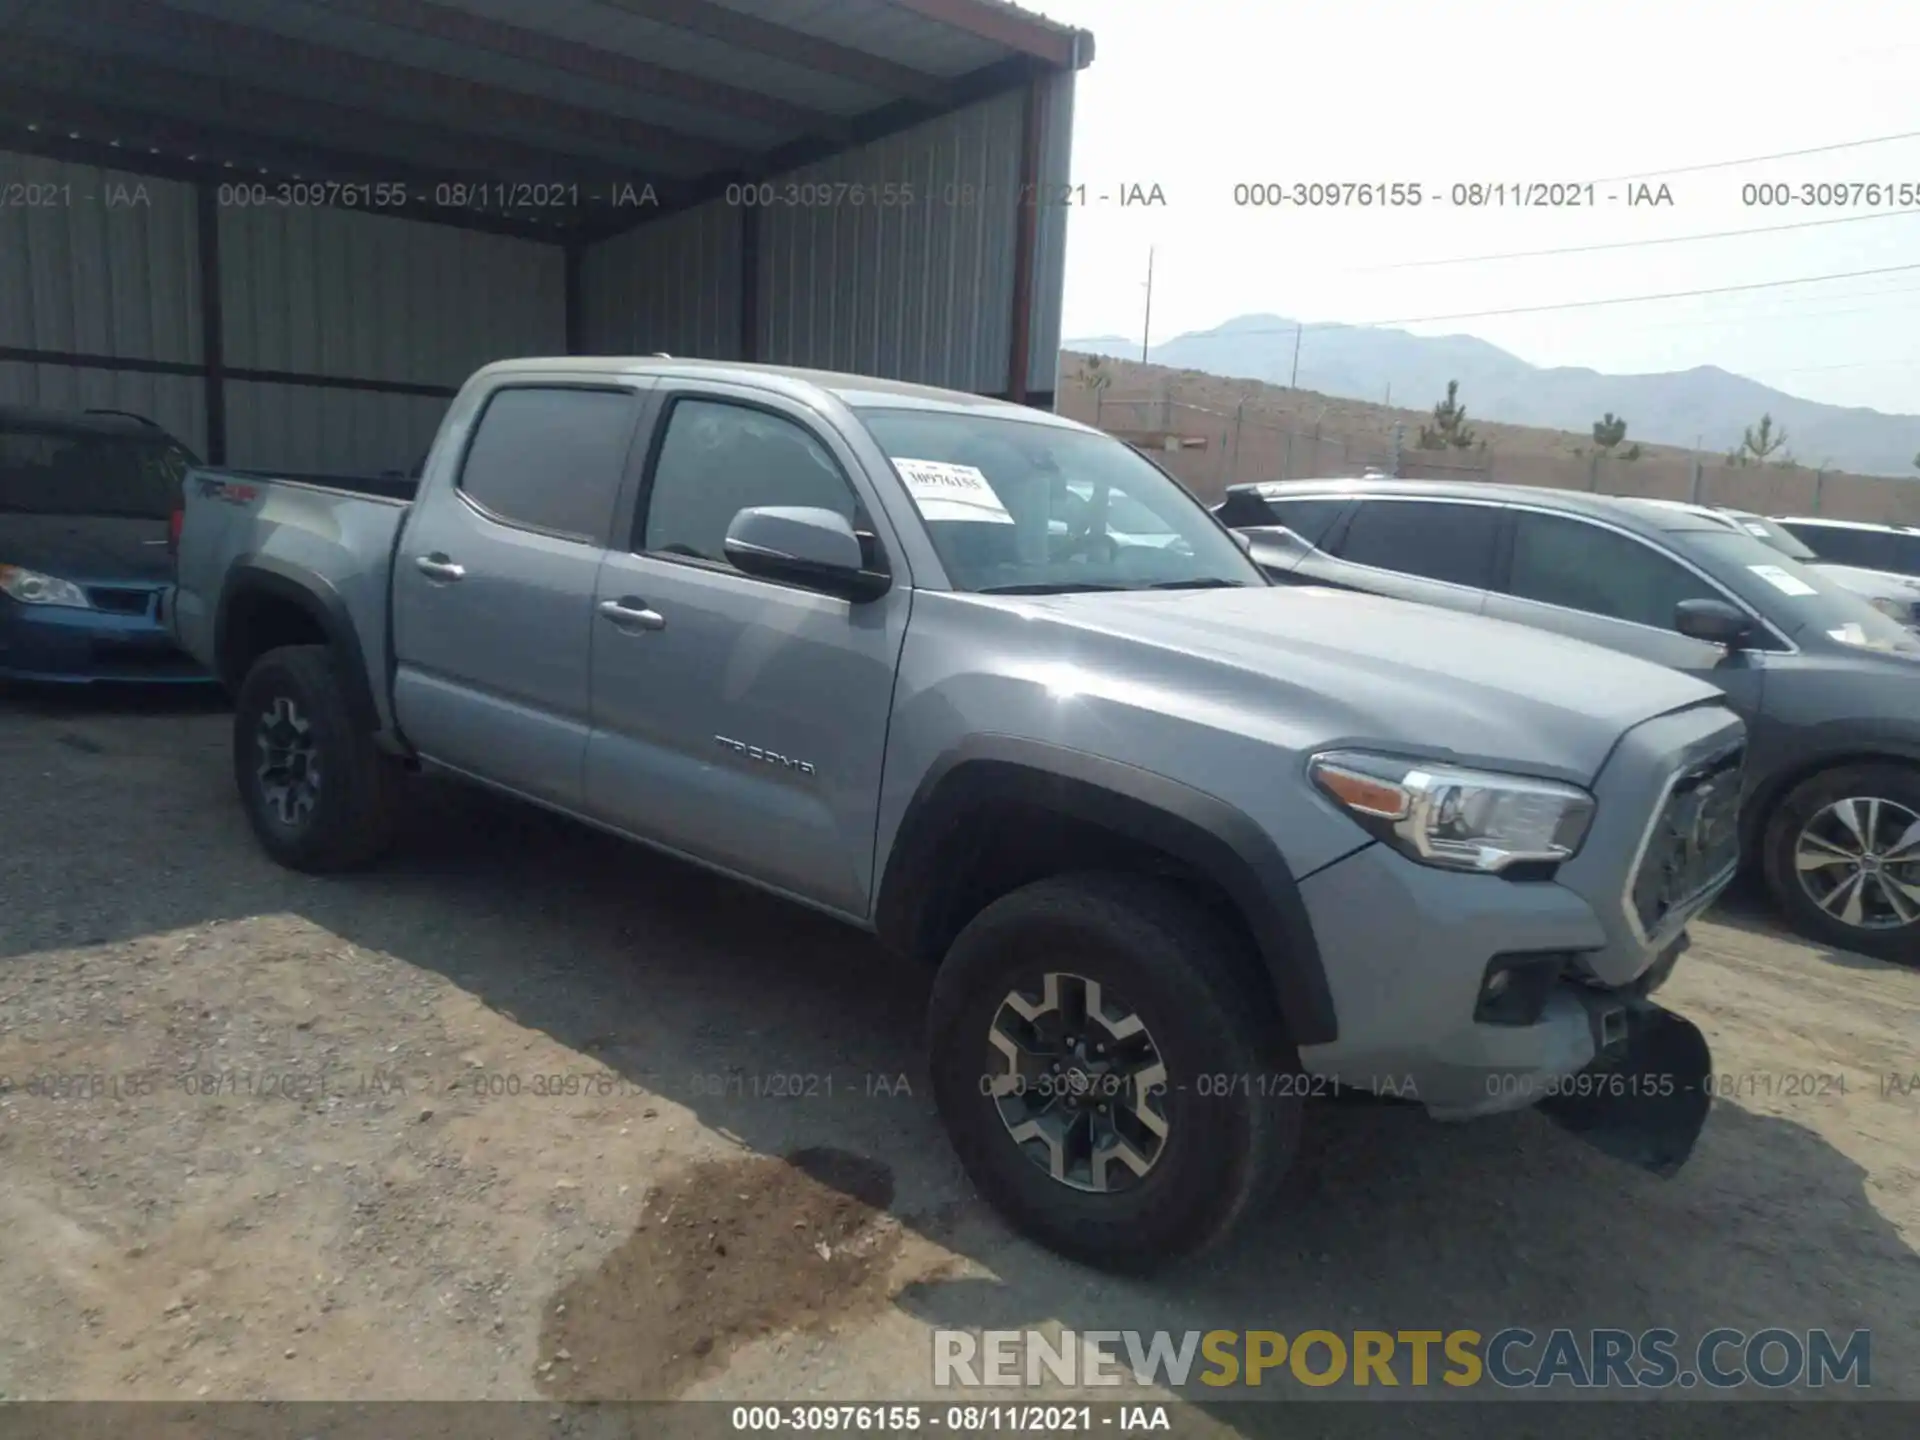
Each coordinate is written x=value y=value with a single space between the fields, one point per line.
x=1476 y=993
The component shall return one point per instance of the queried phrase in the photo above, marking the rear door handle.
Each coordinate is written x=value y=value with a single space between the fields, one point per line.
x=438 y=567
x=631 y=613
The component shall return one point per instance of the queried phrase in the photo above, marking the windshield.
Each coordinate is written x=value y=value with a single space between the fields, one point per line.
x=1800 y=601
x=1780 y=539
x=50 y=472
x=1015 y=506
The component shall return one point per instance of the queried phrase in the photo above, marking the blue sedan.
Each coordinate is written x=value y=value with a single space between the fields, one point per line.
x=86 y=508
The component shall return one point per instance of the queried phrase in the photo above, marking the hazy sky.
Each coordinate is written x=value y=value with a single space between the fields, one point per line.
x=1198 y=95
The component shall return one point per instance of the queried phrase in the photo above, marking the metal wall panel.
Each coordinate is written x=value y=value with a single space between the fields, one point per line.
x=100 y=262
x=1050 y=244
x=341 y=293
x=175 y=402
x=306 y=428
x=918 y=292
x=921 y=291
x=671 y=285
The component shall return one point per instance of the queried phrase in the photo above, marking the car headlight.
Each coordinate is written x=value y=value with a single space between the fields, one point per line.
x=1455 y=818
x=30 y=587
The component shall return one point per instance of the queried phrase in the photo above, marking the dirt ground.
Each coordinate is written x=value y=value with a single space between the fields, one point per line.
x=526 y=1113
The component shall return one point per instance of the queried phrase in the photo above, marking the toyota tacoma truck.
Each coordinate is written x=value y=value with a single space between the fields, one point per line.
x=1184 y=848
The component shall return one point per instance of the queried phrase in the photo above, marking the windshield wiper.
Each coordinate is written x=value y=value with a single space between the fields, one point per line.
x=1057 y=587
x=1209 y=583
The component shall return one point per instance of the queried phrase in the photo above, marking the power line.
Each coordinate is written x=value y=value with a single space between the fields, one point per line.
x=1759 y=159
x=1568 y=304
x=1635 y=244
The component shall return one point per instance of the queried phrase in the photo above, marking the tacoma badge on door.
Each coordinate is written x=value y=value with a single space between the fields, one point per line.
x=754 y=752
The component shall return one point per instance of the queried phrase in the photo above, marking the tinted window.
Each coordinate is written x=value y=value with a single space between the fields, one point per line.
x=1309 y=519
x=718 y=459
x=51 y=472
x=1429 y=538
x=1584 y=567
x=1868 y=549
x=551 y=458
x=1243 y=507
x=1906 y=554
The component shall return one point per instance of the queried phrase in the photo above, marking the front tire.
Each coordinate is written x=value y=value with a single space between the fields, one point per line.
x=1841 y=856
x=318 y=791
x=1109 y=1070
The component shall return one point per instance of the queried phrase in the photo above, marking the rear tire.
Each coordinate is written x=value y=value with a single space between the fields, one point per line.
x=1228 y=1108
x=319 y=793
x=1833 y=862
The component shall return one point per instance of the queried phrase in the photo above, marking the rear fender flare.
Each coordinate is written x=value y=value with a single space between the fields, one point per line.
x=314 y=594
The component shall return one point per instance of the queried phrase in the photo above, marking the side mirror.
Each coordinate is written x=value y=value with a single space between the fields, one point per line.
x=1243 y=540
x=801 y=545
x=1714 y=621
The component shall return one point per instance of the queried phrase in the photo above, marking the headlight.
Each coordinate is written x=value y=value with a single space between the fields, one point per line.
x=1454 y=818
x=30 y=587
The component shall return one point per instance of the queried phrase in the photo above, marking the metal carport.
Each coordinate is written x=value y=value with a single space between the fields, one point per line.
x=177 y=235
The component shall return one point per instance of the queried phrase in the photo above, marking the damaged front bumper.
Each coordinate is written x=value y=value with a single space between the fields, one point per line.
x=1646 y=1096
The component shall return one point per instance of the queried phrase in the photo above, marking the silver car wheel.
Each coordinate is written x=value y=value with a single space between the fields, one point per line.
x=1079 y=1084
x=289 y=763
x=1859 y=860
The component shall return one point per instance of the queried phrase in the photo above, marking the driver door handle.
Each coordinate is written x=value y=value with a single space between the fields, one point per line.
x=438 y=567
x=631 y=613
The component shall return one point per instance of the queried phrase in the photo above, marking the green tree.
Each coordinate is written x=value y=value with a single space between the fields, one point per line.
x=1609 y=431
x=1761 y=442
x=1449 y=428
x=1916 y=460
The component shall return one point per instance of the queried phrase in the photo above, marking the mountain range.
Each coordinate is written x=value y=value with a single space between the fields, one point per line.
x=1706 y=407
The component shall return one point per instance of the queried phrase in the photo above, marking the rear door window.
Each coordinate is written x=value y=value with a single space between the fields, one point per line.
x=551 y=458
x=1433 y=539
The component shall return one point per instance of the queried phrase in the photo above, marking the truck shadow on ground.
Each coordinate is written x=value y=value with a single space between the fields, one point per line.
x=700 y=990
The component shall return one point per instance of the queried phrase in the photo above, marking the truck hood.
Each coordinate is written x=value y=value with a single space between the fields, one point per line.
x=1364 y=669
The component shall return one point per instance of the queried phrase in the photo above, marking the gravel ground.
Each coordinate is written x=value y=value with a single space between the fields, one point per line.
x=527 y=1113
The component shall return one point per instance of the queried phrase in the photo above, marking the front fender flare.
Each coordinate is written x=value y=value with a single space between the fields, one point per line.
x=1203 y=832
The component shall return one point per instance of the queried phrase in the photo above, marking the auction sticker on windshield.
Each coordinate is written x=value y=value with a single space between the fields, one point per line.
x=951 y=492
x=1783 y=582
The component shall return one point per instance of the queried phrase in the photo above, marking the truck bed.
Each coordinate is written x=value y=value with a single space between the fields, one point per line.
x=332 y=535
x=385 y=486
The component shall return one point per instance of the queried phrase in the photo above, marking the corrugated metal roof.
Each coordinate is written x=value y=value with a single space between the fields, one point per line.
x=345 y=88
x=882 y=29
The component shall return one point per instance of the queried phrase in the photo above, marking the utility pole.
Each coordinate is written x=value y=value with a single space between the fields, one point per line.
x=1293 y=381
x=1146 y=327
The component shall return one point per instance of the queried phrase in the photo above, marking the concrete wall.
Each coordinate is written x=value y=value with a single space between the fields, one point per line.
x=1249 y=443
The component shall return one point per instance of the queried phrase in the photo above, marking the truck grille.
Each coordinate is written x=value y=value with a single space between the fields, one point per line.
x=1693 y=843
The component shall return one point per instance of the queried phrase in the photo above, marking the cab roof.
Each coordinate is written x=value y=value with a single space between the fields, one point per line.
x=854 y=391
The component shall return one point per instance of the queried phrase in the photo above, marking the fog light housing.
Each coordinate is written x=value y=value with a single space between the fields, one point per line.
x=1516 y=986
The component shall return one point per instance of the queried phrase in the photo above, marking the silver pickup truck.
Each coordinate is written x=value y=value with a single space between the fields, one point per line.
x=1185 y=848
